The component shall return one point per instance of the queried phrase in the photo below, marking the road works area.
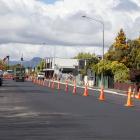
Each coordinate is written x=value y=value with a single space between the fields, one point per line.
x=30 y=111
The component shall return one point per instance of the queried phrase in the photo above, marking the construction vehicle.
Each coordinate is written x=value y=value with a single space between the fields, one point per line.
x=19 y=74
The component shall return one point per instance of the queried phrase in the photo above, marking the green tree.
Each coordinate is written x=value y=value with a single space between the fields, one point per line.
x=84 y=56
x=120 y=41
x=121 y=57
x=119 y=50
x=91 y=60
x=41 y=65
x=119 y=70
x=3 y=66
x=134 y=54
x=103 y=67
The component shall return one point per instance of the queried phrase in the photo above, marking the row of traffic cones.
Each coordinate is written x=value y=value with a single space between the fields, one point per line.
x=134 y=94
x=101 y=96
x=138 y=96
x=130 y=94
x=51 y=85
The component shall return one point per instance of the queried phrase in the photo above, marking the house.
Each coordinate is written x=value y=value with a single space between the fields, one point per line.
x=58 y=66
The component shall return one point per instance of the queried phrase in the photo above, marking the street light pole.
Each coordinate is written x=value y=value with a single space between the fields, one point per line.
x=103 y=41
x=102 y=23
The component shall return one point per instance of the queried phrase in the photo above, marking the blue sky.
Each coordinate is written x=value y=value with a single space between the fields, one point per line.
x=49 y=1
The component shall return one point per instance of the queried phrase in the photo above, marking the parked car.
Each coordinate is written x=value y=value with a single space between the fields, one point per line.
x=41 y=76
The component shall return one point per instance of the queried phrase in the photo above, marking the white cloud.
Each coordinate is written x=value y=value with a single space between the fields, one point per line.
x=15 y=50
x=25 y=22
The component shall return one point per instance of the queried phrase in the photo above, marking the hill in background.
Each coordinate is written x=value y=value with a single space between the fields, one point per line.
x=31 y=63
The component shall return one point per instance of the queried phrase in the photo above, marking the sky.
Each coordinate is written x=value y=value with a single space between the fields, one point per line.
x=49 y=1
x=47 y=28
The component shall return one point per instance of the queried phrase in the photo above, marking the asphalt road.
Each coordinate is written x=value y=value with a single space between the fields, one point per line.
x=32 y=112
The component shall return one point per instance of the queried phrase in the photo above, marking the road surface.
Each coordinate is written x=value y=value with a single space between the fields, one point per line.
x=33 y=112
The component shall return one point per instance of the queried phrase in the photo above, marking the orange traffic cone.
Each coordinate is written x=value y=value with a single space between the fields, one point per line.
x=133 y=93
x=39 y=82
x=129 y=101
x=138 y=96
x=74 y=88
x=52 y=86
x=102 y=96
x=86 y=91
x=49 y=84
x=66 y=88
x=35 y=81
x=58 y=86
x=43 y=83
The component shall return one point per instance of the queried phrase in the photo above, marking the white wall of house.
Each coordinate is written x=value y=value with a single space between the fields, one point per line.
x=62 y=62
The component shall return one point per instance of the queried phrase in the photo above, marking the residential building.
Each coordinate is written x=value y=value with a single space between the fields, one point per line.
x=58 y=66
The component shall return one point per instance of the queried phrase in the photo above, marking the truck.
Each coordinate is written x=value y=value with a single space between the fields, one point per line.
x=19 y=74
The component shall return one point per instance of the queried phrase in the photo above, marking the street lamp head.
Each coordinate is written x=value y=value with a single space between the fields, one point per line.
x=84 y=16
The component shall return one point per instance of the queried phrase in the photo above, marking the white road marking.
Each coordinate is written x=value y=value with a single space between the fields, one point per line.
x=109 y=91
